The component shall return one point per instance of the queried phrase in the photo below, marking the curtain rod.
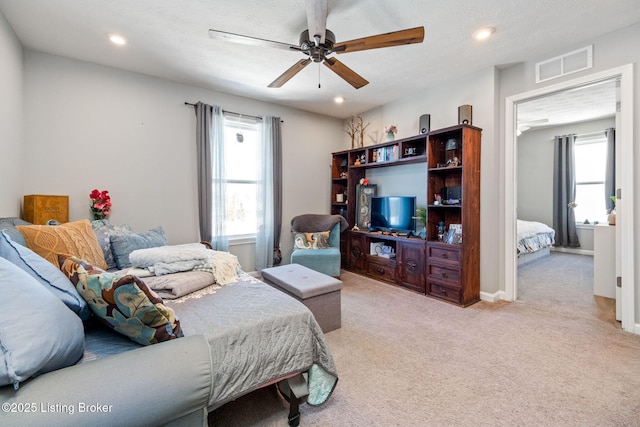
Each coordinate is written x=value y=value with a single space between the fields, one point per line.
x=590 y=134
x=234 y=114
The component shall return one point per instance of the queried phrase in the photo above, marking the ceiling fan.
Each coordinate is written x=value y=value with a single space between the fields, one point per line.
x=526 y=125
x=317 y=43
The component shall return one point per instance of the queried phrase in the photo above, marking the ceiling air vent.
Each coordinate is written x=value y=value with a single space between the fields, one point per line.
x=562 y=65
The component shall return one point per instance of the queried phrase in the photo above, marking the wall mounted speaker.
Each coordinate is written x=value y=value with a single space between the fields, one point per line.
x=425 y=123
x=465 y=115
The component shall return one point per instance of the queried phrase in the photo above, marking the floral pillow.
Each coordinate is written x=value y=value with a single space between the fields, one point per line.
x=122 y=302
x=317 y=240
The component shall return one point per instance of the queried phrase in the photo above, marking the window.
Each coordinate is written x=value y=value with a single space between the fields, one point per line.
x=590 y=163
x=241 y=138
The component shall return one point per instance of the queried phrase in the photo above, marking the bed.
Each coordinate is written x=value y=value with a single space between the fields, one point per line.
x=258 y=336
x=533 y=240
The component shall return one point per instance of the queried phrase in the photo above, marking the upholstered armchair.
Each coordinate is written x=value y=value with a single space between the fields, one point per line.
x=317 y=242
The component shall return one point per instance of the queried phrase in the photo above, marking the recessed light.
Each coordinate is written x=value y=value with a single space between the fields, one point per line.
x=338 y=99
x=483 y=33
x=117 y=39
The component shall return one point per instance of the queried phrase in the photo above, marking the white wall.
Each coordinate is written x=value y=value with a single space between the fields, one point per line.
x=402 y=180
x=442 y=102
x=11 y=95
x=92 y=126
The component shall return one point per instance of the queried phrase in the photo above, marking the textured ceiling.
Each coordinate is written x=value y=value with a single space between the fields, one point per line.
x=169 y=39
x=591 y=102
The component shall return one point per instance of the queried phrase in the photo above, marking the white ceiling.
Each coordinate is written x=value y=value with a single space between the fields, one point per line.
x=590 y=102
x=169 y=39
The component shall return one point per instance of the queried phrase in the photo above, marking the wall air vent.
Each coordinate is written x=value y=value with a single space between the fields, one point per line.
x=572 y=62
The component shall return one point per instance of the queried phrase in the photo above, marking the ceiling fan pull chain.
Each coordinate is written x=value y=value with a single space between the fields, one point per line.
x=318 y=75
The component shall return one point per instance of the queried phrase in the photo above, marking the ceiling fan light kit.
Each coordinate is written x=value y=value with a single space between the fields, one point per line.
x=319 y=43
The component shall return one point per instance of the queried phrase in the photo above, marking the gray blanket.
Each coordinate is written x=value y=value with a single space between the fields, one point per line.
x=312 y=223
x=258 y=335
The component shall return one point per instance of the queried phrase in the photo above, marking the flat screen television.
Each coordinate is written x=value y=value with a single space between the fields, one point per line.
x=393 y=213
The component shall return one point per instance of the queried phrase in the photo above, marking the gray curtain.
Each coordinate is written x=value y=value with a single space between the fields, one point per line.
x=269 y=195
x=212 y=196
x=277 y=188
x=564 y=191
x=203 y=136
x=610 y=172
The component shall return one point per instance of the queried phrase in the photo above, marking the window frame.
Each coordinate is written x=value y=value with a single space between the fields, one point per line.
x=590 y=139
x=238 y=122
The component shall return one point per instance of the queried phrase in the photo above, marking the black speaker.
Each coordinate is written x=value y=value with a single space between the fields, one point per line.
x=464 y=115
x=452 y=193
x=425 y=123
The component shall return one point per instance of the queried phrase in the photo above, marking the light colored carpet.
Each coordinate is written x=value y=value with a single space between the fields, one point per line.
x=556 y=357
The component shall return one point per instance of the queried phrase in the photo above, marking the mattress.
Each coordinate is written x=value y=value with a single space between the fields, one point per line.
x=257 y=335
x=532 y=236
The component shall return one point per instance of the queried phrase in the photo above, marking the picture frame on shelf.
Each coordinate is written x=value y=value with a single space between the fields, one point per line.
x=454 y=234
x=364 y=193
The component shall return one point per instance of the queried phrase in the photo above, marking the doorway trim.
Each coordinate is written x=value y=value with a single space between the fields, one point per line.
x=624 y=207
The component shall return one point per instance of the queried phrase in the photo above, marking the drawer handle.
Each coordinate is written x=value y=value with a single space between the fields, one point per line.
x=380 y=270
x=444 y=255
x=444 y=274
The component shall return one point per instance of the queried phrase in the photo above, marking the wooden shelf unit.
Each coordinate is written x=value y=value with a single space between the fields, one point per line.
x=449 y=272
x=453 y=269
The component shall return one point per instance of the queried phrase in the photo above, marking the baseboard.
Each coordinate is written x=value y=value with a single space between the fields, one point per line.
x=572 y=250
x=494 y=297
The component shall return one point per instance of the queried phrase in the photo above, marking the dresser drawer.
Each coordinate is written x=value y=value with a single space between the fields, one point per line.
x=438 y=272
x=381 y=269
x=443 y=253
x=439 y=290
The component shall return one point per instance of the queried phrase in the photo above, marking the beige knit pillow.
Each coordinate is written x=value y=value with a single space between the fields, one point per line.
x=76 y=238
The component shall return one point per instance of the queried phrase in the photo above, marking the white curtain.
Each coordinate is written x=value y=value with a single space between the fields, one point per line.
x=264 y=195
x=219 y=238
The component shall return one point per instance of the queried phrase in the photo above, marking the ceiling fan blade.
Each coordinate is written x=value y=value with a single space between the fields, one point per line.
x=317 y=11
x=287 y=75
x=253 y=41
x=350 y=76
x=396 y=38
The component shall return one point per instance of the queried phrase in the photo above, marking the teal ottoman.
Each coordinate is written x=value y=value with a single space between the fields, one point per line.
x=319 y=292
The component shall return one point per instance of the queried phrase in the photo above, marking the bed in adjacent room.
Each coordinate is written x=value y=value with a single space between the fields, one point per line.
x=534 y=240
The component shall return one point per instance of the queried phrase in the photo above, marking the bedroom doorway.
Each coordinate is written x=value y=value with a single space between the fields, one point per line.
x=585 y=111
x=625 y=218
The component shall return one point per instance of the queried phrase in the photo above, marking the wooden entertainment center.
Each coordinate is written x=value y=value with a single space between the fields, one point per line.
x=431 y=266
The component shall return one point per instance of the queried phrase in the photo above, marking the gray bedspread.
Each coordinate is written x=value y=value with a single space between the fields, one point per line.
x=257 y=336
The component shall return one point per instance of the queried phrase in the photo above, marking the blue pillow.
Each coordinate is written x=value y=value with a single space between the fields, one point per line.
x=123 y=244
x=9 y=225
x=44 y=272
x=38 y=332
x=104 y=231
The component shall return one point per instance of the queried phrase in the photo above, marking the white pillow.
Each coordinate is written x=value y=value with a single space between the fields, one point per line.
x=38 y=333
